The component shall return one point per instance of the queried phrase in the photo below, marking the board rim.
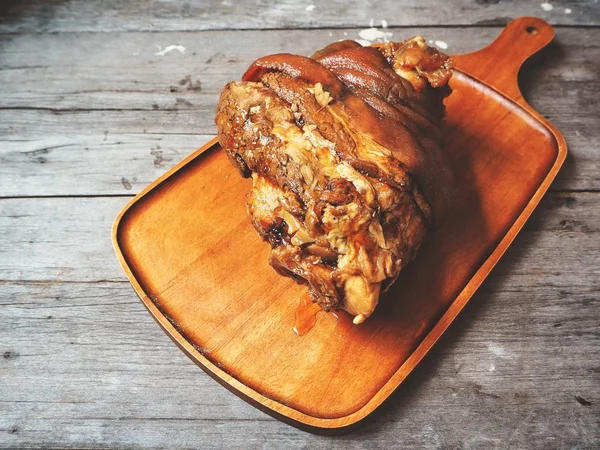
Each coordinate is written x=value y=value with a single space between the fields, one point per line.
x=341 y=424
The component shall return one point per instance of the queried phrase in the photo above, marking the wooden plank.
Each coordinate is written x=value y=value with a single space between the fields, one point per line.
x=90 y=164
x=122 y=71
x=117 y=15
x=68 y=239
x=103 y=110
x=84 y=365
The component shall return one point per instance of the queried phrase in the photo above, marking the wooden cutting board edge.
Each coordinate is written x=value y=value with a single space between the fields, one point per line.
x=531 y=34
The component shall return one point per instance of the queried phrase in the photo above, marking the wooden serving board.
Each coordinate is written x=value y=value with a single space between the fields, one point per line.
x=191 y=254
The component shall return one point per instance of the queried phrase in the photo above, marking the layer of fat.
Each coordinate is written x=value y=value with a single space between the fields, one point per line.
x=361 y=297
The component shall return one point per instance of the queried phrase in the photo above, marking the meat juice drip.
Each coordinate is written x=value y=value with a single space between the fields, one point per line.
x=306 y=315
x=306 y=318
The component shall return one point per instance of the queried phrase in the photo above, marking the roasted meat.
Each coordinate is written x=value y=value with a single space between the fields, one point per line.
x=344 y=152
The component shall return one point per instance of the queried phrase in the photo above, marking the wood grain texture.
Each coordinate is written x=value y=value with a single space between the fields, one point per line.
x=96 y=109
x=66 y=239
x=27 y=16
x=506 y=374
x=79 y=380
x=90 y=164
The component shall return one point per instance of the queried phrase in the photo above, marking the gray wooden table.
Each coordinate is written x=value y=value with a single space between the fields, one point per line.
x=98 y=98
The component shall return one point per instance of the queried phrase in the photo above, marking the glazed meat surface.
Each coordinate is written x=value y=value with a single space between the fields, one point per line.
x=344 y=152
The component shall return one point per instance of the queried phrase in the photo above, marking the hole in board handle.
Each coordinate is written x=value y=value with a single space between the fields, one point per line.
x=531 y=30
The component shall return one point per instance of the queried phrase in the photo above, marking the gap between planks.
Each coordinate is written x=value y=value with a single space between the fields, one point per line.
x=492 y=24
x=67 y=196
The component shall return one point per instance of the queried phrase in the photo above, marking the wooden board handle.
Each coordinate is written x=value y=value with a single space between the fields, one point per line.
x=498 y=64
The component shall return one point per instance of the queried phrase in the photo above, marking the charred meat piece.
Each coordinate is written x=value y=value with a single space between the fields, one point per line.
x=344 y=152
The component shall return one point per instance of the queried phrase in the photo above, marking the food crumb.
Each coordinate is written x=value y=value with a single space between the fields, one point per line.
x=373 y=34
x=310 y=8
x=568 y=11
x=169 y=48
x=547 y=6
x=363 y=42
x=441 y=44
x=384 y=23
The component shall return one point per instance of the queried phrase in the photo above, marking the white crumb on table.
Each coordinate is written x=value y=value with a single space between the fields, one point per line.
x=547 y=6
x=441 y=44
x=568 y=11
x=310 y=8
x=371 y=23
x=384 y=23
x=169 y=48
x=363 y=42
x=373 y=34
x=492 y=368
